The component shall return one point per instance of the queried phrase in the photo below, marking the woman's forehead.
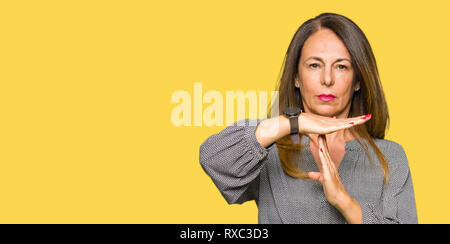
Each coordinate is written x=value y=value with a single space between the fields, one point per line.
x=325 y=45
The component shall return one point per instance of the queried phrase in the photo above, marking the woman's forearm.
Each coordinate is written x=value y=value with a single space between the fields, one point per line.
x=270 y=130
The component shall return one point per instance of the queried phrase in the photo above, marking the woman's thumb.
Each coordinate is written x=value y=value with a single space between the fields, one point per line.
x=314 y=176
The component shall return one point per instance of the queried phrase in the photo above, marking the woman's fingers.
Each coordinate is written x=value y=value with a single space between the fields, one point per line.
x=323 y=157
x=361 y=118
x=348 y=123
x=330 y=163
x=358 y=119
x=326 y=151
x=309 y=123
x=332 y=185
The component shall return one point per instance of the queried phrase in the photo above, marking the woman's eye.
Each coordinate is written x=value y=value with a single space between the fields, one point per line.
x=342 y=66
x=314 y=65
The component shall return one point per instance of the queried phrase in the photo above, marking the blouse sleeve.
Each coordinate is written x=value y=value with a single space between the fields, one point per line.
x=398 y=202
x=233 y=159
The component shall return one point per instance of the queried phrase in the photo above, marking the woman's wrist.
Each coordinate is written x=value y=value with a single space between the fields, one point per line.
x=350 y=209
x=270 y=130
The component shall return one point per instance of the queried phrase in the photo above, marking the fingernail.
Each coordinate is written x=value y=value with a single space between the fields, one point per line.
x=334 y=117
x=321 y=150
x=351 y=123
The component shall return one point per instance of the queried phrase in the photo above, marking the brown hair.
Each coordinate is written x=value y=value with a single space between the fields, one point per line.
x=369 y=99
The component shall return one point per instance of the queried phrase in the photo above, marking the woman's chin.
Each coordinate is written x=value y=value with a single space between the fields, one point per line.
x=326 y=113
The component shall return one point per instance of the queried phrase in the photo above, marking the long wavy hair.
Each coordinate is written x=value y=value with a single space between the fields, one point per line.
x=368 y=99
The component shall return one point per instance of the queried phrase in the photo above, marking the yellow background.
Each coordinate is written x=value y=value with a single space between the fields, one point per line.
x=86 y=135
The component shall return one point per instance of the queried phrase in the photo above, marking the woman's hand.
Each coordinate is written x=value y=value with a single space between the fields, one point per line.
x=329 y=177
x=309 y=123
x=332 y=186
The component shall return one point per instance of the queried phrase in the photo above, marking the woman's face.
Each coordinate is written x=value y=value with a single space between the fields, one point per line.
x=325 y=69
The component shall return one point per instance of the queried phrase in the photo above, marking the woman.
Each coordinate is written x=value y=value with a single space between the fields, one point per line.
x=342 y=171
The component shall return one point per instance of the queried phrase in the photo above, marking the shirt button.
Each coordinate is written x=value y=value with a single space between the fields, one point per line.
x=261 y=152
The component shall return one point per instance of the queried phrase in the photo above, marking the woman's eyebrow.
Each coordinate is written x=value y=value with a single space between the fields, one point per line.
x=320 y=59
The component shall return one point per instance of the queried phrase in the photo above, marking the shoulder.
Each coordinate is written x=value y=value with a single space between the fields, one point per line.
x=393 y=152
x=389 y=146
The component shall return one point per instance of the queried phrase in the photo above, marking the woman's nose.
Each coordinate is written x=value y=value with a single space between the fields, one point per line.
x=327 y=77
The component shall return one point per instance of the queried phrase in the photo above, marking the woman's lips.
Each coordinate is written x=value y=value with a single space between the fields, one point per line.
x=326 y=97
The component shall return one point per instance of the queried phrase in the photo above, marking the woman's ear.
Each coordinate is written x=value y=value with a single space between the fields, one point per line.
x=357 y=86
x=297 y=81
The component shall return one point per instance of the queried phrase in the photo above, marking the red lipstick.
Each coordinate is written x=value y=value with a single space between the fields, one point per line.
x=326 y=97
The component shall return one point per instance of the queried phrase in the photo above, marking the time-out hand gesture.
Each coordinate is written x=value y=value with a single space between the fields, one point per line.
x=332 y=186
